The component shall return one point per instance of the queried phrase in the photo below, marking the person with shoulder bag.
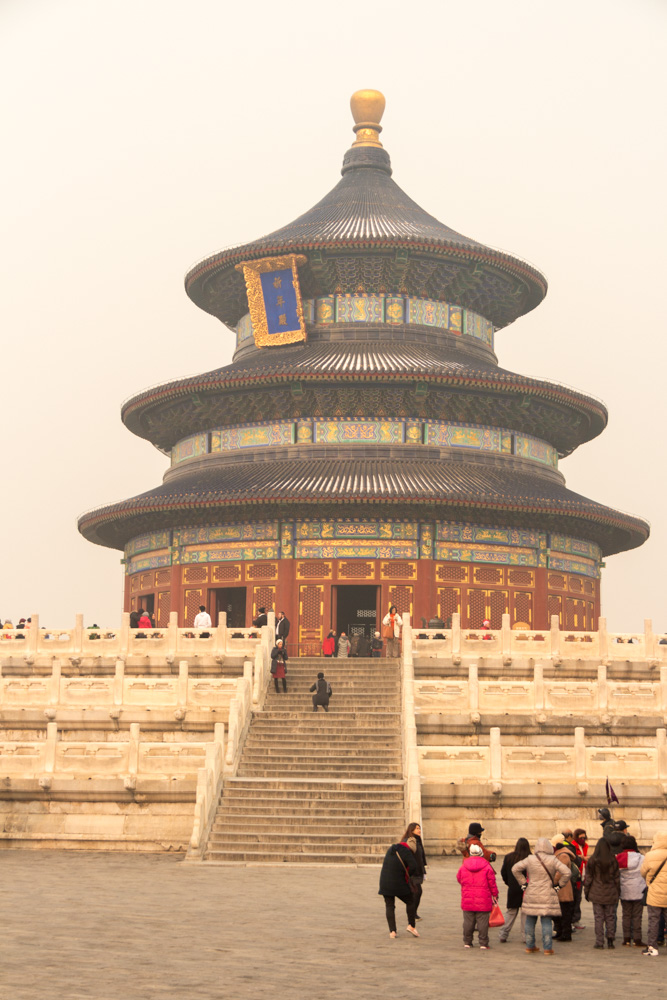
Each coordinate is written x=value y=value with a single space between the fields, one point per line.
x=541 y=877
x=412 y=837
x=391 y=630
x=398 y=867
x=602 y=887
x=654 y=870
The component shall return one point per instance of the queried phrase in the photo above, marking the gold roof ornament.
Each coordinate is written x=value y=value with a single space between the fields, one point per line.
x=367 y=110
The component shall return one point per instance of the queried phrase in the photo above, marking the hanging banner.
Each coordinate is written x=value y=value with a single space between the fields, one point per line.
x=274 y=299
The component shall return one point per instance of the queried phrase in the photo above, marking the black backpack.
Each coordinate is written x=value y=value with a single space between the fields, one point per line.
x=329 y=691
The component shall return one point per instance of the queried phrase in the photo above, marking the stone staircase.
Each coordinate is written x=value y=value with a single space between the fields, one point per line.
x=320 y=788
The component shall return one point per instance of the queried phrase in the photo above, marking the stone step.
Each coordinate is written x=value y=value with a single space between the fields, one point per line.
x=282 y=810
x=365 y=755
x=316 y=739
x=312 y=771
x=295 y=857
x=306 y=715
x=325 y=841
x=326 y=786
x=269 y=826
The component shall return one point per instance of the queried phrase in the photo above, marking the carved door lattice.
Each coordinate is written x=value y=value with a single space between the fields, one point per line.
x=449 y=603
x=163 y=608
x=192 y=601
x=523 y=607
x=488 y=605
x=263 y=597
x=311 y=619
x=402 y=597
x=452 y=571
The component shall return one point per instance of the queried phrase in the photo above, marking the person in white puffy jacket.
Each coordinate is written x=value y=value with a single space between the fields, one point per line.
x=632 y=891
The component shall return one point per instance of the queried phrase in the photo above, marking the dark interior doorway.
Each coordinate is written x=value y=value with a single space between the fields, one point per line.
x=231 y=601
x=357 y=610
x=147 y=602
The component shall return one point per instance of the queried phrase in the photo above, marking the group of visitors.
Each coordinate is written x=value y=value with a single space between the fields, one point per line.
x=23 y=624
x=546 y=884
x=344 y=646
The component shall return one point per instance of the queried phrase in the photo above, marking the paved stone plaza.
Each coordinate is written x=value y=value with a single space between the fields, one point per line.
x=144 y=927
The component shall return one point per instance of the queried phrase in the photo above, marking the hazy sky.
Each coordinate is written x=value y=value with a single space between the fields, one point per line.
x=141 y=135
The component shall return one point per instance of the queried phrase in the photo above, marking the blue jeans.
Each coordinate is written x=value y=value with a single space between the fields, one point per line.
x=547 y=932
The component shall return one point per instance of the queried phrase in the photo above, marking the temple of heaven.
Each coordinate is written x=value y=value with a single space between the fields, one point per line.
x=364 y=448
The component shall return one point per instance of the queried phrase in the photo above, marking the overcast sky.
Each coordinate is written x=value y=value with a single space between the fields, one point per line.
x=142 y=135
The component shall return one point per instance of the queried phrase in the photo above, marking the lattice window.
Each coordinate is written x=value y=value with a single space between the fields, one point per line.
x=147 y=581
x=313 y=569
x=261 y=571
x=557 y=582
x=192 y=601
x=589 y=587
x=449 y=603
x=134 y=584
x=497 y=607
x=521 y=577
x=476 y=608
x=163 y=608
x=488 y=574
x=311 y=608
x=402 y=598
x=398 y=569
x=357 y=570
x=162 y=576
x=225 y=572
x=590 y=608
x=575 y=612
x=263 y=597
x=575 y=584
x=523 y=607
x=555 y=607
x=452 y=571
x=195 y=574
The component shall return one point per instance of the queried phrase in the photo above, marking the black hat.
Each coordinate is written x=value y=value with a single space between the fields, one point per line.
x=604 y=813
x=475 y=830
x=620 y=824
x=320 y=676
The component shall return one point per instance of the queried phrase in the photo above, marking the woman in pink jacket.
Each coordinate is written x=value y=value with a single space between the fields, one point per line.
x=478 y=894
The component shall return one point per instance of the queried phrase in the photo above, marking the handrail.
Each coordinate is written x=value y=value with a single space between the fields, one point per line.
x=409 y=729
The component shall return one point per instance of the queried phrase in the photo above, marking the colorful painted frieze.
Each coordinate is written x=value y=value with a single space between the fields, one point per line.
x=233 y=551
x=426 y=541
x=499 y=555
x=264 y=435
x=358 y=431
x=394 y=309
x=190 y=447
x=575 y=546
x=478 y=327
x=360 y=308
x=287 y=540
x=538 y=451
x=313 y=549
x=146 y=543
x=452 y=531
x=156 y=560
x=400 y=530
x=244 y=330
x=325 y=310
x=565 y=564
x=426 y=312
x=258 y=531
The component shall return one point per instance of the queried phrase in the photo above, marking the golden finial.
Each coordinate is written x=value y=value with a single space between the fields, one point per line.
x=367 y=110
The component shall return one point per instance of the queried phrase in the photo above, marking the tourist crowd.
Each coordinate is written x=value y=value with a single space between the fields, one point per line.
x=546 y=884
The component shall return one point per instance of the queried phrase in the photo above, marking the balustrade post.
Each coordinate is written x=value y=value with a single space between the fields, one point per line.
x=555 y=641
x=124 y=635
x=182 y=691
x=259 y=676
x=219 y=736
x=579 y=753
x=172 y=636
x=506 y=640
x=661 y=744
x=473 y=687
x=456 y=638
x=232 y=732
x=538 y=685
x=33 y=634
x=220 y=635
x=603 y=689
x=78 y=634
x=663 y=688
x=496 y=758
x=56 y=673
x=2 y=686
x=119 y=682
x=407 y=640
x=50 y=748
x=271 y=625
x=649 y=640
x=133 y=754
x=603 y=640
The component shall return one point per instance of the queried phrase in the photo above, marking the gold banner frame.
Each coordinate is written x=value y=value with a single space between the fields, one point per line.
x=252 y=269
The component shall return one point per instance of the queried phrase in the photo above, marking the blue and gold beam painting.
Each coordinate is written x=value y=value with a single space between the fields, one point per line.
x=274 y=299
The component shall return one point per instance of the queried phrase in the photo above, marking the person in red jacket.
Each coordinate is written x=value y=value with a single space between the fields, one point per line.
x=479 y=892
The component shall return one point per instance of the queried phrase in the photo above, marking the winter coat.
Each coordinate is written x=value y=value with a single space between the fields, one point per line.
x=144 y=622
x=282 y=629
x=321 y=686
x=464 y=847
x=134 y=619
x=329 y=645
x=566 y=855
x=478 y=885
x=602 y=888
x=392 y=626
x=514 y=893
x=343 y=646
x=420 y=857
x=260 y=620
x=657 y=887
x=540 y=898
x=632 y=883
x=279 y=660
x=392 y=876
x=613 y=836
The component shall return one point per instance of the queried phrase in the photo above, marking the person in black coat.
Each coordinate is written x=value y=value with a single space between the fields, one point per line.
x=261 y=618
x=321 y=696
x=413 y=836
x=514 y=890
x=398 y=865
x=282 y=628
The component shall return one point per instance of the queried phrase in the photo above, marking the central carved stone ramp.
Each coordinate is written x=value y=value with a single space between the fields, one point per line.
x=319 y=787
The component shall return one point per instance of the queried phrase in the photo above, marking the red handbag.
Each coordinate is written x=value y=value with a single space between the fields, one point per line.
x=496 y=918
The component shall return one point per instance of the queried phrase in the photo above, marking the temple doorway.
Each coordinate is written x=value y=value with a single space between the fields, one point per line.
x=356 y=610
x=231 y=601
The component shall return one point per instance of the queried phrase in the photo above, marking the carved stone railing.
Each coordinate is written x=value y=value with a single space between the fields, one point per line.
x=553 y=644
x=502 y=766
x=411 y=774
x=209 y=790
x=155 y=645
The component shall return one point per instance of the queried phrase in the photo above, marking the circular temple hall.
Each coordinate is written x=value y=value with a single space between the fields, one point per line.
x=364 y=448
